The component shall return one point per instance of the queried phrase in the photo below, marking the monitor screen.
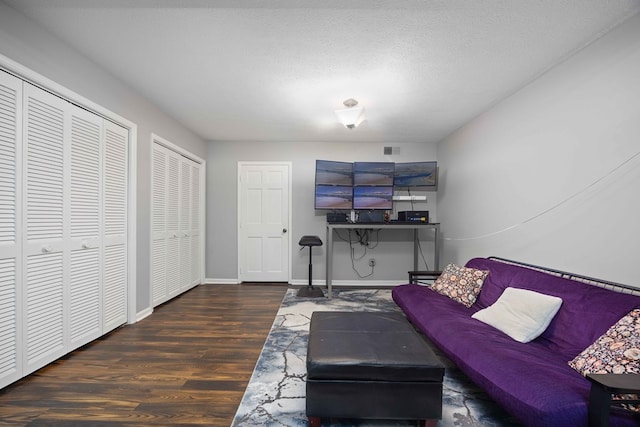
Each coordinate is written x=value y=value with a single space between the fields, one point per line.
x=334 y=173
x=334 y=197
x=373 y=197
x=373 y=173
x=416 y=174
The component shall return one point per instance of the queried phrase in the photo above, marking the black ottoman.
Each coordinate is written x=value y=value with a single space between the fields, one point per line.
x=370 y=365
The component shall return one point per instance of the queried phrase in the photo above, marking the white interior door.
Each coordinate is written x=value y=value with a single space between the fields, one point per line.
x=264 y=201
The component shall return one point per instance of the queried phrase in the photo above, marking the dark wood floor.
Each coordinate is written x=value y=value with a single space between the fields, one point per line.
x=186 y=364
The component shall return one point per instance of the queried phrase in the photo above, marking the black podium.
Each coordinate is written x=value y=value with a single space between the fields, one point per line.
x=310 y=291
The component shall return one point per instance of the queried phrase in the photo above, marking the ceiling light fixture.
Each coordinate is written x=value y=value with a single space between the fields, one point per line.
x=351 y=116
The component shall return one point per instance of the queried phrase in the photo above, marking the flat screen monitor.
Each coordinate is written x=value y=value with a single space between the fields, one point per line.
x=416 y=174
x=373 y=173
x=334 y=197
x=334 y=173
x=371 y=197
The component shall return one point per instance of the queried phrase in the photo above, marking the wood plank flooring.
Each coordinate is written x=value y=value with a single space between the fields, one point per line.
x=186 y=364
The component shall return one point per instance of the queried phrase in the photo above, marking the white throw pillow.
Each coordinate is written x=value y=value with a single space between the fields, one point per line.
x=520 y=313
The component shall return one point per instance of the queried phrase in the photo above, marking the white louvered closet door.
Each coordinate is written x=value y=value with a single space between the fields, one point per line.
x=114 y=274
x=185 y=223
x=84 y=218
x=173 y=224
x=196 y=233
x=159 y=158
x=63 y=227
x=45 y=159
x=10 y=218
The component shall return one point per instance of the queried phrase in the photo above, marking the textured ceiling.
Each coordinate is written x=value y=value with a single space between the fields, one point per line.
x=275 y=70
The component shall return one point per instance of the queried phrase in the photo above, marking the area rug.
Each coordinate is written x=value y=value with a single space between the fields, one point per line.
x=275 y=395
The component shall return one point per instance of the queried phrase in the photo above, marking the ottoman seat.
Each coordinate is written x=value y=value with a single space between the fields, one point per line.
x=370 y=365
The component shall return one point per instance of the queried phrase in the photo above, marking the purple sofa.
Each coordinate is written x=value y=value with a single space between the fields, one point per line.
x=531 y=381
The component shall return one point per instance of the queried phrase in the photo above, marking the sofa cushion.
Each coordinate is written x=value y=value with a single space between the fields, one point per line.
x=461 y=284
x=586 y=312
x=520 y=313
x=617 y=351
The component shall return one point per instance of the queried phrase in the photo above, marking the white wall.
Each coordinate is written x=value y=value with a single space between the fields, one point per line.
x=511 y=174
x=30 y=45
x=394 y=256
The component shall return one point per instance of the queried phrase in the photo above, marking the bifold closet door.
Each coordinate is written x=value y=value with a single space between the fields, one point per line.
x=165 y=260
x=74 y=244
x=175 y=229
x=10 y=219
x=84 y=240
x=190 y=262
x=114 y=266
x=172 y=226
x=63 y=223
x=158 y=224
x=196 y=232
x=44 y=295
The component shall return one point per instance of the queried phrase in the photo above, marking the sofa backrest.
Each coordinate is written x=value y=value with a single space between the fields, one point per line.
x=586 y=313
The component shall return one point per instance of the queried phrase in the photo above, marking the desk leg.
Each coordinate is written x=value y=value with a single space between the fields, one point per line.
x=329 y=260
x=436 y=248
x=415 y=249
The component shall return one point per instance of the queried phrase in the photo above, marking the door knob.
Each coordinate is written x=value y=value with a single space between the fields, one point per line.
x=284 y=230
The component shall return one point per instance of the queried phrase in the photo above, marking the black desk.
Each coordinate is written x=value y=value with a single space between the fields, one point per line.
x=415 y=226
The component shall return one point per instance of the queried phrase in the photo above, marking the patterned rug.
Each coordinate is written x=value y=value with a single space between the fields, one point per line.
x=275 y=395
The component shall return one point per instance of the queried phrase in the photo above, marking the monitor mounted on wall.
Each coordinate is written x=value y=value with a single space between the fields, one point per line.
x=334 y=173
x=373 y=197
x=334 y=197
x=373 y=173
x=416 y=174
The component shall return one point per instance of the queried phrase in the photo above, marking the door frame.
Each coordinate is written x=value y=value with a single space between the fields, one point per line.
x=289 y=166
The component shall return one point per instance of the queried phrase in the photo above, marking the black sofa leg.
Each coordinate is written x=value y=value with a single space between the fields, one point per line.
x=599 y=403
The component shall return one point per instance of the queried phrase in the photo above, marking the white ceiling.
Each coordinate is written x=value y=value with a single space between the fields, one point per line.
x=274 y=70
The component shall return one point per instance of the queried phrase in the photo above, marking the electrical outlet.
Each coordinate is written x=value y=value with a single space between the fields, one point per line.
x=372 y=262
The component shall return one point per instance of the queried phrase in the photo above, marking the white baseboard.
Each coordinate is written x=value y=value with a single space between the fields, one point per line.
x=144 y=314
x=319 y=282
x=351 y=283
x=213 y=281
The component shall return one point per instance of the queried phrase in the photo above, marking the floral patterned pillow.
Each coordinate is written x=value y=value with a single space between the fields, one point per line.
x=461 y=284
x=617 y=351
